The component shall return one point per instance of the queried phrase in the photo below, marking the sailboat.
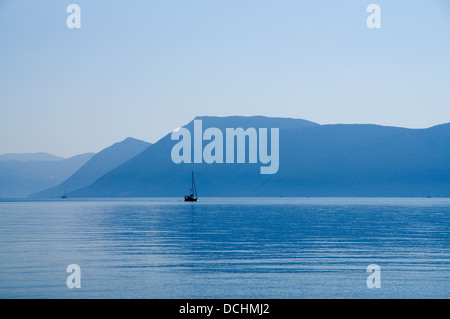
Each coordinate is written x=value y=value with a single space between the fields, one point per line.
x=64 y=196
x=193 y=196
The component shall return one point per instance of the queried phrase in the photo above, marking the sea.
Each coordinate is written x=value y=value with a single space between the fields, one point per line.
x=221 y=248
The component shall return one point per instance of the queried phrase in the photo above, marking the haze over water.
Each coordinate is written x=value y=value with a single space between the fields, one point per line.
x=226 y=247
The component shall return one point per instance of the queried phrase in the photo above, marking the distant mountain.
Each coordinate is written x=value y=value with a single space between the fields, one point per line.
x=28 y=157
x=96 y=167
x=19 y=179
x=315 y=160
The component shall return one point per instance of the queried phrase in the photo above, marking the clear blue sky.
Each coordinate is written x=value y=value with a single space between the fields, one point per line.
x=142 y=68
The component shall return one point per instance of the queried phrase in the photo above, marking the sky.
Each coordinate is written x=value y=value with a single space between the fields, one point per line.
x=142 y=68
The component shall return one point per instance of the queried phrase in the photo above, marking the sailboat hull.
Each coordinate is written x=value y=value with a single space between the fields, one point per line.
x=190 y=199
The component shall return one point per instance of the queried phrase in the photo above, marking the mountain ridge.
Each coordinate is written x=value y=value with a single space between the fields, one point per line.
x=315 y=160
x=99 y=165
x=28 y=157
x=19 y=179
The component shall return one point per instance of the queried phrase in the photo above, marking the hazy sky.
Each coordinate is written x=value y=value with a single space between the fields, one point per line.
x=142 y=68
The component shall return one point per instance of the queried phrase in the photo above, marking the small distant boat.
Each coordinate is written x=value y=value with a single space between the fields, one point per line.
x=193 y=196
x=64 y=196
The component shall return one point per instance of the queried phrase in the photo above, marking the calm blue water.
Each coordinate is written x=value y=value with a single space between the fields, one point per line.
x=226 y=248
